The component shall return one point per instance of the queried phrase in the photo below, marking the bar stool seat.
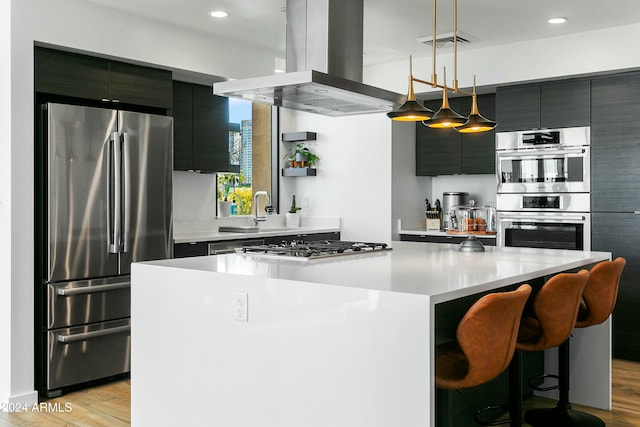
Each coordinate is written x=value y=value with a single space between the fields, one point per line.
x=485 y=341
x=598 y=301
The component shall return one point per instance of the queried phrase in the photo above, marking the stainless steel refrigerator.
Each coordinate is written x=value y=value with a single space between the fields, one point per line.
x=105 y=191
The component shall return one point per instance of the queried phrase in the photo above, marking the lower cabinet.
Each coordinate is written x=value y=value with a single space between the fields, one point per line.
x=183 y=250
x=274 y=240
x=619 y=233
x=427 y=238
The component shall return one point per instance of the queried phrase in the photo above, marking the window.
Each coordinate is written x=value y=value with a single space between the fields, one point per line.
x=250 y=146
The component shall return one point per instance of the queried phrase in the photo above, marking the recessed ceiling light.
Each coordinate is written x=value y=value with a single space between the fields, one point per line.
x=558 y=20
x=219 y=14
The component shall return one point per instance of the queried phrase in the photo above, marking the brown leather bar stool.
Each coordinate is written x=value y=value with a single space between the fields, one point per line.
x=485 y=341
x=555 y=308
x=598 y=301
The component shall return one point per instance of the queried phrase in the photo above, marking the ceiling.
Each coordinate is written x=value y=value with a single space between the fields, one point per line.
x=391 y=27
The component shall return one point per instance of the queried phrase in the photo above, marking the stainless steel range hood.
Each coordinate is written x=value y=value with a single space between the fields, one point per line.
x=324 y=64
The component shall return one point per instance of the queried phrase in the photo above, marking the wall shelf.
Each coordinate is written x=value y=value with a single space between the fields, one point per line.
x=299 y=172
x=298 y=136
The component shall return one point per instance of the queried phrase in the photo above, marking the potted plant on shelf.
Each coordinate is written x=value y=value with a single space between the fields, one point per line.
x=227 y=183
x=304 y=156
x=290 y=157
x=292 y=218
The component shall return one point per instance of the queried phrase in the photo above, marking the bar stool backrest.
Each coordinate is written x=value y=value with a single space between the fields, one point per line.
x=600 y=293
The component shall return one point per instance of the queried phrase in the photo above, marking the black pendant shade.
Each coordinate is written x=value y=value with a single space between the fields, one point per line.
x=445 y=117
x=410 y=111
x=475 y=122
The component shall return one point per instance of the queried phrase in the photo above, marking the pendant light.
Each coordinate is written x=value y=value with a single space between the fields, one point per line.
x=445 y=117
x=412 y=110
x=475 y=122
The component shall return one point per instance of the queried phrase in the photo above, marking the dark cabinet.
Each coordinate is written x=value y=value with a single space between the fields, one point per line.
x=544 y=106
x=429 y=238
x=619 y=233
x=86 y=77
x=274 y=240
x=201 y=129
x=615 y=144
x=447 y=152
x=183 y=250
x=615 y=196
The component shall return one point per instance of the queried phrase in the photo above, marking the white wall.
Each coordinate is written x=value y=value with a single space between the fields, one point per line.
x=592 y=52
x=354 y=173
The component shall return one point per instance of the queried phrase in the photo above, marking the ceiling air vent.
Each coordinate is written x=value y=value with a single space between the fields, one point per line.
x=445 y=40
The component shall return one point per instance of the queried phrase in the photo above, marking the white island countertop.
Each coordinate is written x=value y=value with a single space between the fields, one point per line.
x=434 y=269
x=236 y=340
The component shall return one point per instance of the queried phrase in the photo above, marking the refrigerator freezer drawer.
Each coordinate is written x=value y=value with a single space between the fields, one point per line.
x=86 y=353
x=88 y=301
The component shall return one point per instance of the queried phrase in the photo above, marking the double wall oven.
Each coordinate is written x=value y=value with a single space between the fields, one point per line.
x=543 y=194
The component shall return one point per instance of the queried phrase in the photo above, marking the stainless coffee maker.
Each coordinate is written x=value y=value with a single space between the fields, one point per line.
x=449 y=199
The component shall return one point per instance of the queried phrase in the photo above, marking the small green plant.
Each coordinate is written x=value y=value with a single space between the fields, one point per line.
x=293 y=208
x=307 y=155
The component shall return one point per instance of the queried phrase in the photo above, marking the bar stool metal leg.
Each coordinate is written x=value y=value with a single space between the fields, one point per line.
x=562 y=415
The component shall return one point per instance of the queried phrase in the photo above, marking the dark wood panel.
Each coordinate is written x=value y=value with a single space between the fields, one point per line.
x=133 y=84
x=565 y=103
x=619 y=233
x=210 y=130
x=488 y=241
x=68 y=74
x=182 y=126
x=183 y=250
x=518 y=107
x=478 y=151
x=615 y=144
x=437 y=150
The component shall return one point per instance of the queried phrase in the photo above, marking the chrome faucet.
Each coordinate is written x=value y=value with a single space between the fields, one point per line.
x=258 y=218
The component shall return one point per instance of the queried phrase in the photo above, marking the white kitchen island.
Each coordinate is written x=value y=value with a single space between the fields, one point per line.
x=345 y=341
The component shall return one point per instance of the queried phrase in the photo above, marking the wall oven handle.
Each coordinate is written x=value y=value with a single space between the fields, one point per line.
x=92 y=289
x=538 y=218
x=543 y=152
x=94 y=334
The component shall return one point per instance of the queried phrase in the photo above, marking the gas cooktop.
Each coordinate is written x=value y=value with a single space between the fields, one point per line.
x=304 y=250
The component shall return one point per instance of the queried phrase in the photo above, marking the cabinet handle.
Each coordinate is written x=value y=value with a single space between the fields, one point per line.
x=636 y=212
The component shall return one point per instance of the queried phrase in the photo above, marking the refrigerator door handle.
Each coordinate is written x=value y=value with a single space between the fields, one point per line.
x=127 y=190
x=109 y=184
x=114 y=248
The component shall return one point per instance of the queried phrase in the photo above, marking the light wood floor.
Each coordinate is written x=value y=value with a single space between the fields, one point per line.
x=109 y=405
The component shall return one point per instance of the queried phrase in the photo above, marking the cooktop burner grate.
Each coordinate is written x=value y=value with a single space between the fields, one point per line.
x=314 y=249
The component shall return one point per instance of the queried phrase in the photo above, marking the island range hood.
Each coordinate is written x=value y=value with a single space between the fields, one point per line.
x=324 y=65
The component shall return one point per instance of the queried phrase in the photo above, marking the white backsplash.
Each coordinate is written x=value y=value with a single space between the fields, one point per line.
x=194 y=196
x=481 y=188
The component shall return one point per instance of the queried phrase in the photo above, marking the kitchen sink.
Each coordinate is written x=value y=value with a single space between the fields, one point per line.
x=238 y=229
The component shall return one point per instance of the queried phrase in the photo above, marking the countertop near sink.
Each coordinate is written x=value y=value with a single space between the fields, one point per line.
x=205 y=231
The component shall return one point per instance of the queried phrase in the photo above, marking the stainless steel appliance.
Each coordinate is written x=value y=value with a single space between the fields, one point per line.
x=104 y=201
x=323 y=63
x=545 y=161
x=544 y=183
x=309 y=250
x=450 y=199
x=560 y=221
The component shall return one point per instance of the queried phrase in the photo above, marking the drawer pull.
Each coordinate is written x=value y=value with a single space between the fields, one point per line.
x=91 y=289
x=636 y=212
x=95 y=334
